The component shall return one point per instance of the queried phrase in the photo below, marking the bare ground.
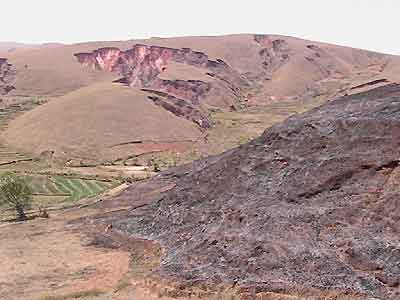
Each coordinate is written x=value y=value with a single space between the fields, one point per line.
x=71 y=256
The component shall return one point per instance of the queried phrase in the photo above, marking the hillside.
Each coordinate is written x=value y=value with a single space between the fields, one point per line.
x=273 y=165
x=102 y=120
x=187 y=79
x=308 y=210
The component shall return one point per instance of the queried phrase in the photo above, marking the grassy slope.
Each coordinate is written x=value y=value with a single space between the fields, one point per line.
x=53 y=70
x=48 y=189
x=94 y=115
x=89 y=121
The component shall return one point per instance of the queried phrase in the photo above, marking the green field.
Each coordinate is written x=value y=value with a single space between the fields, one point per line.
x=8 y=156
x=50 y=189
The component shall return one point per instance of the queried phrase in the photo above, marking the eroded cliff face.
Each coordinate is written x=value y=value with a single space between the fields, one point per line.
x=279 y=68
x=142 y=65
x=274 y=52
x=6 y=77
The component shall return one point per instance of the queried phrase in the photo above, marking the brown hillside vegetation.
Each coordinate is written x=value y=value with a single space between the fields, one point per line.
x=189 y=78
x=103 y=120
x=242 y=52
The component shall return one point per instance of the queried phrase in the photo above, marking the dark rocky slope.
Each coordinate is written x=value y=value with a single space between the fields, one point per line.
x=310 y=209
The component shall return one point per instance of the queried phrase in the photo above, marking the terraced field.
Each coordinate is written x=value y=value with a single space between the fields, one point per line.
x=49 y=190
x=9 y=156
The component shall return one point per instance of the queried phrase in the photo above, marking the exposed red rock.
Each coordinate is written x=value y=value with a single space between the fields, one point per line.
x=179 y=107
x=277 y=67
x=141 y=66
x=371 y=83
x=274 y=52
x=6 y=77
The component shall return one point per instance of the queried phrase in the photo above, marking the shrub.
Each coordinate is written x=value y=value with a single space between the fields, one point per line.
x=164 y=161
x=15 y=193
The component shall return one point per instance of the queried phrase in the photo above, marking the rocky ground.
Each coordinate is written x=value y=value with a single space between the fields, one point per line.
x=308 y=210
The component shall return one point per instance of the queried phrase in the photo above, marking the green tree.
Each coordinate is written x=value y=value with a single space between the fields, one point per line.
x=15 y=193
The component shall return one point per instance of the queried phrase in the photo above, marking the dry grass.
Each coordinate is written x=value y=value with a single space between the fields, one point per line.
x=90 y=122
x=94 y=115
x=235 y=128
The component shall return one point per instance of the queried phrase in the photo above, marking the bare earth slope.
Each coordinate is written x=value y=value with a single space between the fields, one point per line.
x=188 y=78
x=310 y=209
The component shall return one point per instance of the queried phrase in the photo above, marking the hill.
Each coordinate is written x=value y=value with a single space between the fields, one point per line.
x=101 y=120
x=308 y=210
x=189 y=78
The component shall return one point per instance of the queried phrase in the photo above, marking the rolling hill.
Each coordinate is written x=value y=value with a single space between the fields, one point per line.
x=176 y=86
x=101 y=120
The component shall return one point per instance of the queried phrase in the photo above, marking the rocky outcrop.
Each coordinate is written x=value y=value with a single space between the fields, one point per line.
x=180 y=108
x=6 y=77
x=309 y=210
x=370 y=83
x=274 y=52
x=141 y=66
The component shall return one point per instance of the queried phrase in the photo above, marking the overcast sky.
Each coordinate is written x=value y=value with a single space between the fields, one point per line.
x=368 y=24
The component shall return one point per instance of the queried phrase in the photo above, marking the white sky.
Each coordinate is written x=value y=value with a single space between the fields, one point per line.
x=369 y=24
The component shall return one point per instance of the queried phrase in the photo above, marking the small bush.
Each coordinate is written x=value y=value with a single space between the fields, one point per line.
x=15 y=193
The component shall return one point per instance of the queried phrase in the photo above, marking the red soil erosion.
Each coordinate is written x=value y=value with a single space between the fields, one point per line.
x=142 y=65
